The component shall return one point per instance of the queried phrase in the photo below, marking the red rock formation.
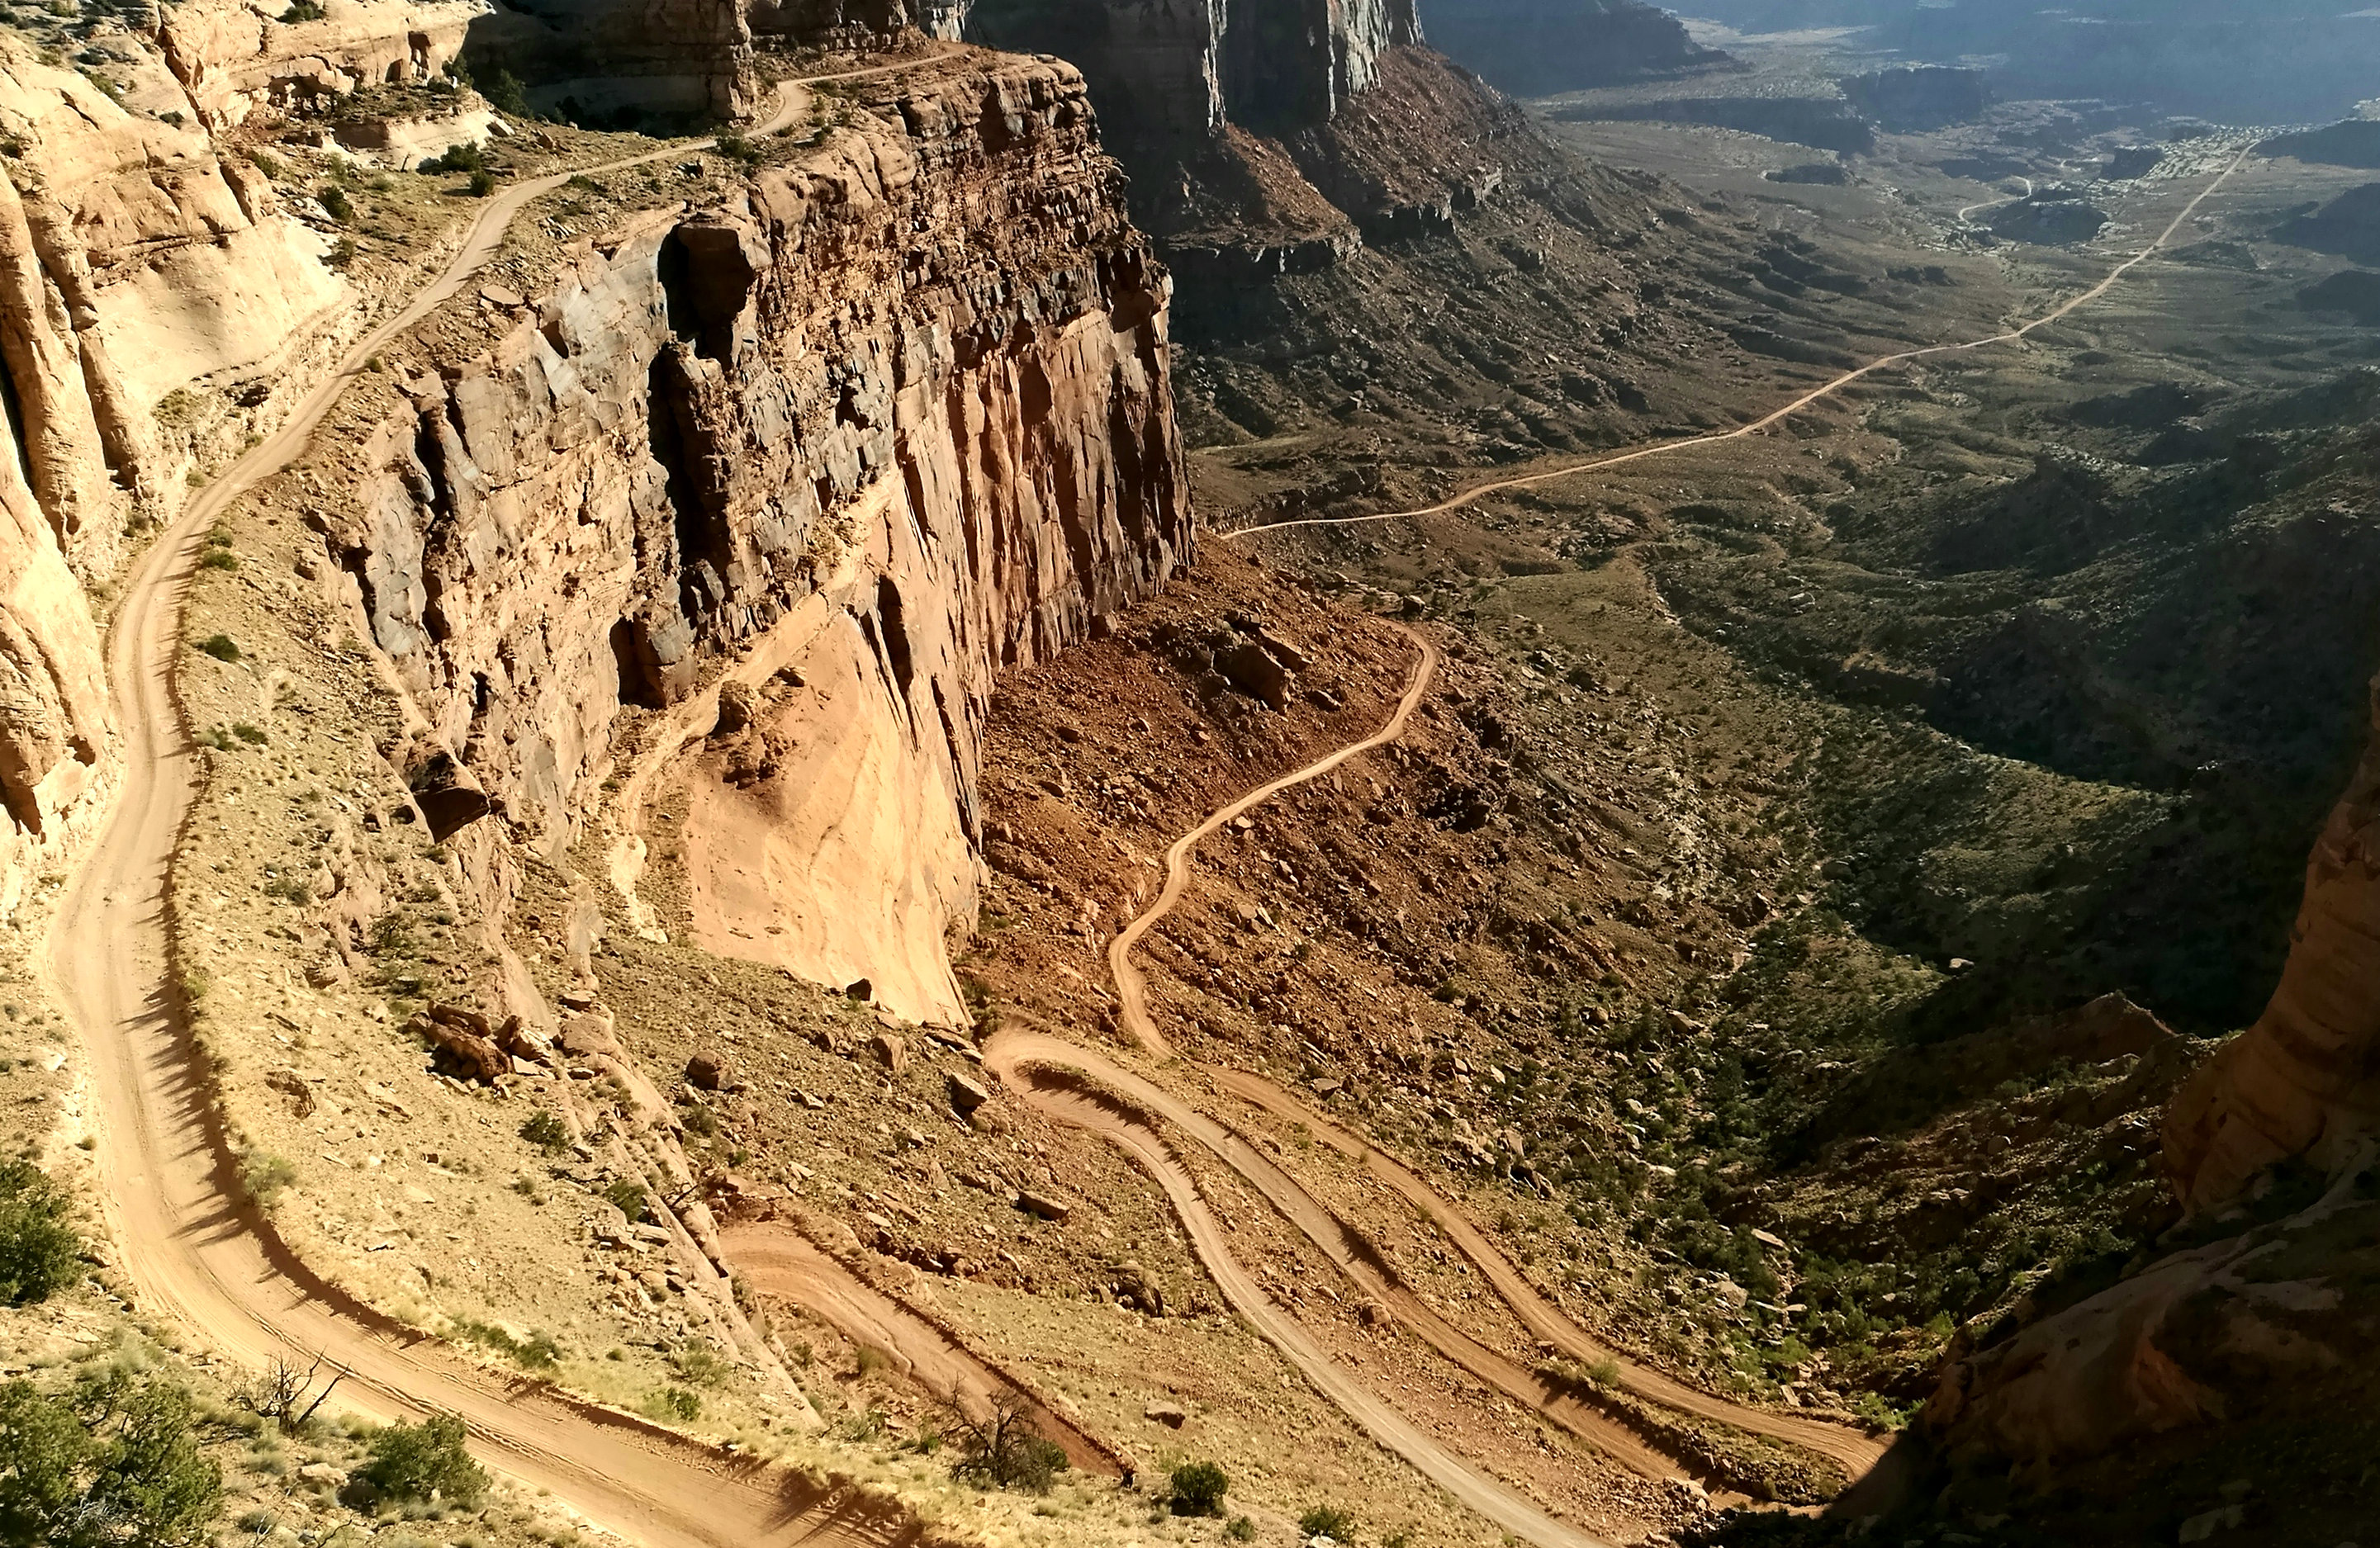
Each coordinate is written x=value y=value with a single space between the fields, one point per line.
x=895 y=417
x=2304 y=1081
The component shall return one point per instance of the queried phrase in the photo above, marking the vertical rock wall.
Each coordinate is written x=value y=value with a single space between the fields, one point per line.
x=1166 y=73
x=895 y=418
x=672 y=59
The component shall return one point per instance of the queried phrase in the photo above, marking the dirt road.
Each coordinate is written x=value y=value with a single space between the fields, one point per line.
x=193 y=1247
x=781 y=1260
x=1818 y=394
x=1047 y=1072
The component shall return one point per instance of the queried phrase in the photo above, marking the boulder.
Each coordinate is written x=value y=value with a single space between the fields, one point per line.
x=890 y=1052
x=1171 y=1415
x=1046 y=1206
x=706 y=1071
x=464 y=1054
x=1251 y=668
x=966 y=1094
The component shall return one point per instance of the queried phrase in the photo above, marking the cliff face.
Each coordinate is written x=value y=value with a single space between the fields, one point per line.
x=877 y=428
x=1166 y=76
x=2223 y=1344
x=671 y=59
x=1535 y=48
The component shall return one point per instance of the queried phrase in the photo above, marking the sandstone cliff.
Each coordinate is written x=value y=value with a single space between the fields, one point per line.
x=2303 y=1083
x=2259 y=1308
x=595 y=60
x=888 y=421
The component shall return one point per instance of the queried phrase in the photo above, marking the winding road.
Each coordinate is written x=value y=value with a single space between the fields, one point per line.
x=1080 y=1086
x=195 y=1251
x=1817 y=394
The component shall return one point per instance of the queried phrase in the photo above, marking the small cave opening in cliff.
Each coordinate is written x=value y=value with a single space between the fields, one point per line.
x=641 y=680
x=894 y=640
x=706 y=280
x=14 y=406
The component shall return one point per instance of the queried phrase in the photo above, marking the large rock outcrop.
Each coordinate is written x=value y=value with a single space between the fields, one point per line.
x=665 y=60
x=891 y=418
x=235 y=59
x=1534 y=48
x=1166 y=74
x=2303 y=1083
x=2259 y=1315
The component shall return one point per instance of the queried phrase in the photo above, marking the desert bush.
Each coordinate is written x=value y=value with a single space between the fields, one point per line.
x=220 y=646
x=483 y=183
x=110 y=1464
x=424 y=1462
x=336 y=203
x=1241 y=1530
x=264 y=1175
x=1003 y=1446
x=39 y=1252
x=1198 y=1489
x=700 y=1365
x=628 y=1195
x=547 y=1132
x=1327 y=1520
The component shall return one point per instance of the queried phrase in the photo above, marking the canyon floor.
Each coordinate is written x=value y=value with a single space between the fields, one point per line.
x=1645 y=962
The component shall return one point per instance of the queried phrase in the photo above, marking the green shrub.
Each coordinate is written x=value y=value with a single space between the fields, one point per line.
x=1241 y=1530
x=676 y=1402
x=343 y=252
x=38 y=1251
x=425 y=1462
x=505 y=93
x=219 y=559
x=220 y=646
x=483 y=183
x=628 y=1195
x=700 y=1365
x=254 y=736
x=547 y=1132
x=336 y=203
x=303 y=10
x=111 y=1463
x=466 y=157
x=264 y=1175
x=268 y=165
x=1198 y=1489
x=737 y=149
x=1327 y=1520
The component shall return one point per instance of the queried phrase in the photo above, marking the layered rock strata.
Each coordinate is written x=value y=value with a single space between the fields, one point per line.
x=1170 y=74
x=889 y=421
x=664 y=59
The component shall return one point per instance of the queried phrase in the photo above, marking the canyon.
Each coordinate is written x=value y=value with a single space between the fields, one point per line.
x=757 y=733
